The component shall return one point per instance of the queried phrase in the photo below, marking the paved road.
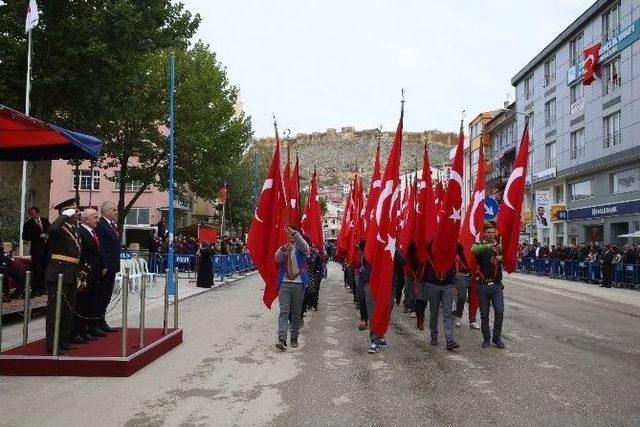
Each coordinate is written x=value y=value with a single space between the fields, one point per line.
x=572 y=358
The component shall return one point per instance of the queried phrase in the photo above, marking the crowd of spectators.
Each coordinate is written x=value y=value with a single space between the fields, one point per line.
x=584 y=252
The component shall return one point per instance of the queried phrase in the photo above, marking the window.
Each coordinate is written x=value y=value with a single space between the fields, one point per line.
x=512 y=133
x=575 y=50
x=550 y=71
x=475 y=155
x=528 y=87
x=86 y=181
x=626 y=181
x=558 y=194
x=137 y=216
x=550 y=155
x=576 y=98
x=611 y=76
x=134 y=185
x=580 y=190
x=611 y=130
x=550 y=112
x=611 y=22
x=576 y=143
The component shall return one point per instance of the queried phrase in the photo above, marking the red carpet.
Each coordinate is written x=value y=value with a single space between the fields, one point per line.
x=101 y=358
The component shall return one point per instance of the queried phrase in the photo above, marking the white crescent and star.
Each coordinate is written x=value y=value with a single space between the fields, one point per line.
x=517 y=173
x=268 y=184
x=478 y=197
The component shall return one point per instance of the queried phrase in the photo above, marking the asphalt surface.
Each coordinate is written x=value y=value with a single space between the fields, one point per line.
x=572 y=358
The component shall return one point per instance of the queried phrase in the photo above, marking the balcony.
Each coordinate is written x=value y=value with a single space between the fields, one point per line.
x=577 y=152
x=612 y=139
x=609 y=86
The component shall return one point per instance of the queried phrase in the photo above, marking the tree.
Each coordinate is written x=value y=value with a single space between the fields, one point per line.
x=10 y=202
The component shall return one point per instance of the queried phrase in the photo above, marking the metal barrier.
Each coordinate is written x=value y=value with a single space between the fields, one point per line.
x=627 y=275
x=229 y=265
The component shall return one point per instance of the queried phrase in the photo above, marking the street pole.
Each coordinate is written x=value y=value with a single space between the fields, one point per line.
x=23 y=188
x=171 y=261
x=255 y=179
x=531 y=196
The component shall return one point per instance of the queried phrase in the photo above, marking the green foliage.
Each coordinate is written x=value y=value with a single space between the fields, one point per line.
x=101 y=67
x=10 y=202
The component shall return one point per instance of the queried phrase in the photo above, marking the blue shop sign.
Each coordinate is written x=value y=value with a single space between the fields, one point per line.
x=616 y=44
x=613 y=209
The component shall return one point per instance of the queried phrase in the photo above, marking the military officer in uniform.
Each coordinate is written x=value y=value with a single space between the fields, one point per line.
x=65 y=248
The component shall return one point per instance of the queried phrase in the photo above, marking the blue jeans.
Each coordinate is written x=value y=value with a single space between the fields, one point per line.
x=491 y=295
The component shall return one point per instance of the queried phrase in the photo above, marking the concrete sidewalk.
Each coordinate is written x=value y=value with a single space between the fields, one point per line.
x=576 y=290
x=12 y=327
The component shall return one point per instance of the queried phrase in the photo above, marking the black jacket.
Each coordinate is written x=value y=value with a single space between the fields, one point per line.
x=63 y=240
x=90 y=257
x=31 y=232
x=109 y=245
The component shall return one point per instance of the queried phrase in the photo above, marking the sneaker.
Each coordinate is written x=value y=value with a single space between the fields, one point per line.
x=434 y=341
x=457 y=322
x=373 y=348
x=486 y=344
x=499 y=343
x=474 y=325
x=413 y=314
x=294 y=343
x=382 y=343
x=282 y=344
x=452 y=345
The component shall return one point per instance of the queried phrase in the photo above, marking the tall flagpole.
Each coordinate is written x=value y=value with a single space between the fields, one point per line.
x=23 y=190
x=172 y=66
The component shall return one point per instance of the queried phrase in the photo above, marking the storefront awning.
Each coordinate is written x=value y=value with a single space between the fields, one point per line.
x=26 y=138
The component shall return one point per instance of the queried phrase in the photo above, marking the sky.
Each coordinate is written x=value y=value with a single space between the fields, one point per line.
x=319 y=64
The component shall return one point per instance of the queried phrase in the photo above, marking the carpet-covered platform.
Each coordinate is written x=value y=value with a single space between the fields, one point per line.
x=101 y=358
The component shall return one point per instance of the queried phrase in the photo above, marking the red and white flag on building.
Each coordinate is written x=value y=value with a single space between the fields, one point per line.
x=267 y=229
x=444 y=241
x=509 y=216
x=591 y=62
x=380 y=248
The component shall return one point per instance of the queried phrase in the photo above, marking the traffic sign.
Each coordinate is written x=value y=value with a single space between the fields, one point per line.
x=490 y=208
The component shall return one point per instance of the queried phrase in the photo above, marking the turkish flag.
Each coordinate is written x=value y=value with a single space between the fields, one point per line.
x=312 y=218
x=380 y=248
x=408 y=228
x=267 y=229
x=591 y=62
x=286 y=183
x=426 y=210
x=444 y=241
x=473 y=224
x=223 y=193
x=374 y=191
x=355 y=226
x=209 y=235
x=341 y=244
x=509 y=216
x=294 y=195
x=439 y=195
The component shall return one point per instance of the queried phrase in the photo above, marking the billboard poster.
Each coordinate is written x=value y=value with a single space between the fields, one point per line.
x=543 y=206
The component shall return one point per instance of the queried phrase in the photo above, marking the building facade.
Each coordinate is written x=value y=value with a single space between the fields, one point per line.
x=585 y=139
x=500 y=152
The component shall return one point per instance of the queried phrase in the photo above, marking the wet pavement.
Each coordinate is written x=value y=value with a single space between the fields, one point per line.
x=572 y=358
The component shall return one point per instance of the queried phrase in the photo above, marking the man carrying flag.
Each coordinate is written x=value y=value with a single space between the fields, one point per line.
x=380 y=247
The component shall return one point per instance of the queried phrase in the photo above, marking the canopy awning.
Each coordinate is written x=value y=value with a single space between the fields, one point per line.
x=26 y=138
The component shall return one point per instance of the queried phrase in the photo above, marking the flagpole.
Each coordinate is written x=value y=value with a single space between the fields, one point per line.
x=171 y=261
x=23 y=189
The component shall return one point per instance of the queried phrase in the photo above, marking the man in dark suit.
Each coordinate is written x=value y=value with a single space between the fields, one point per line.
x=36 y=231
x=65 y=247
x=91 y=272
x=109 y=237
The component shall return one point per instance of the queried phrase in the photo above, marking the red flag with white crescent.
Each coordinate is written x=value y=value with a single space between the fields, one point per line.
x=380 y=248
x=509 y=214
x=294 y=195
x=374 y=190
x=267 y=229
x=591 y=62
x=445 y=242
x=312 y=218
x=426 y=211
x=473 y=224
